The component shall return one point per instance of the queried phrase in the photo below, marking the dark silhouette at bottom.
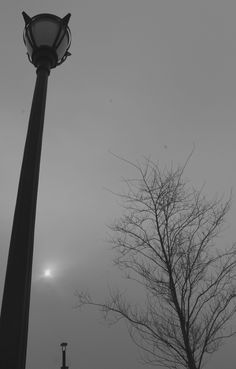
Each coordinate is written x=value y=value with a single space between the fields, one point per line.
x=63 y=347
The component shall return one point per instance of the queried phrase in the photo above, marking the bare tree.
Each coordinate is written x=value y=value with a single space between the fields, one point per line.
x=167 y=241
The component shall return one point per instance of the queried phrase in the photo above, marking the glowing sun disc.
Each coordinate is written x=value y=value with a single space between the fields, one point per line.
x=47 y=273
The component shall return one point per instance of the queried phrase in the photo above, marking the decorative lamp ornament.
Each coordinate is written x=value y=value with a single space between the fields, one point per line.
x=47 y=39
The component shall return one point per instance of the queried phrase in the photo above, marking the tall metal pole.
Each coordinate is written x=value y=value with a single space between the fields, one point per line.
x=16 y=296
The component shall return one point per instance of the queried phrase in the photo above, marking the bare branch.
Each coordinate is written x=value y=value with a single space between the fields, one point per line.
x=167 y=242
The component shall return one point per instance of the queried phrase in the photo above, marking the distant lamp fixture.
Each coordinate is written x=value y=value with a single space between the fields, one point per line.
x=63 y=347
x=47 y=36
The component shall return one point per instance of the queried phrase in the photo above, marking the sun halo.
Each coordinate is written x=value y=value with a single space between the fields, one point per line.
x=47 y=273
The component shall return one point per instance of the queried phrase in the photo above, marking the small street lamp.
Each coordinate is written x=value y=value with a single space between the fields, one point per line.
x=63 y=348
x=47 y=38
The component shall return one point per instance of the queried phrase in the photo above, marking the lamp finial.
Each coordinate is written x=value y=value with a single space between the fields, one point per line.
x=66 y=19
x=26 y=18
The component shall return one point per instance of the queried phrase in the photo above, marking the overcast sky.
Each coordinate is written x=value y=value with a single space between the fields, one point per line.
x=146 y=77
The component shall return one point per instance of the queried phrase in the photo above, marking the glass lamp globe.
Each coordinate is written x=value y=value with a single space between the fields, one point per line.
x=47 y=36
x=63 y=346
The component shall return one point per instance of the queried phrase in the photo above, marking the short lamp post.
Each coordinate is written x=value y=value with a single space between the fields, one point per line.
x=63 y=348
x=47 y=38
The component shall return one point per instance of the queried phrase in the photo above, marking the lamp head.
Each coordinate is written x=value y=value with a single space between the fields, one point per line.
x=47 y=39
x=63 y=346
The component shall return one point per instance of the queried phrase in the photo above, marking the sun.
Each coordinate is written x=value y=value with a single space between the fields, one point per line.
x=47 y=273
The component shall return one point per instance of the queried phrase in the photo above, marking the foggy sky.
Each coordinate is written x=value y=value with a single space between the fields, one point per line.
x=153 y=77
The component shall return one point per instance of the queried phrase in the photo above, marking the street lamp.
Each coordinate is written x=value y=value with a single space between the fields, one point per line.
x=63 y=348
x=47 y=38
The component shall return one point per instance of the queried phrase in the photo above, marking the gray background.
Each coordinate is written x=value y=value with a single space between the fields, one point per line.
x=152 y=77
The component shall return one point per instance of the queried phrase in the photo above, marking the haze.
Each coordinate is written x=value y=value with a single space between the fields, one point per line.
x=146 y=78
